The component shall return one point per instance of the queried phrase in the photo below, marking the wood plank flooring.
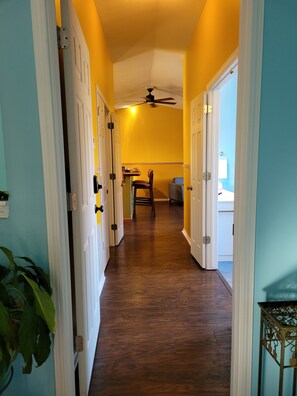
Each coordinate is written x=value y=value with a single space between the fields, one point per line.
x=165 y=322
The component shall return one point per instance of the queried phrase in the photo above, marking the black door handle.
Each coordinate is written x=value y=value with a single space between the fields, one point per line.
x=100 y=208
x=97 y=186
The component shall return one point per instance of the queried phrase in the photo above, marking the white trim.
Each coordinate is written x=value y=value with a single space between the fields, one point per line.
x=248 y=118
x=213 y=125
x=186 y=235
x=100 y=288
x=49 y=102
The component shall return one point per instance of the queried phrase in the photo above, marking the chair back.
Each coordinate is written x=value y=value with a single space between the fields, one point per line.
x=151 y=177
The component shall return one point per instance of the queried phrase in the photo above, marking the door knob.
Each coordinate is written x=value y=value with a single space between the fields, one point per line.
x=190 y=188
x=100 y=208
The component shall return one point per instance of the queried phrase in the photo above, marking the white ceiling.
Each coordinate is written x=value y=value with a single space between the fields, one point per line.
x=147 y=40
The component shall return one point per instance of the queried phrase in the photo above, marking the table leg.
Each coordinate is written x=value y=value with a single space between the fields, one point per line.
x=281 y=368
x=260 y=357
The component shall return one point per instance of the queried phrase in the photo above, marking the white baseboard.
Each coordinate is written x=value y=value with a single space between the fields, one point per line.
x=102 y=281
x=185 y=234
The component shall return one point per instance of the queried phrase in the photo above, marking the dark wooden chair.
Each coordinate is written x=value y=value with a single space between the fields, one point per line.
x=144 y=185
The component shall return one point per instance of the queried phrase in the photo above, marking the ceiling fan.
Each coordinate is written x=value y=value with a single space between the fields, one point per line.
x=150 y=99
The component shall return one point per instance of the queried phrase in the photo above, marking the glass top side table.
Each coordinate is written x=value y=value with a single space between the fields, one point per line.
x=278 y=335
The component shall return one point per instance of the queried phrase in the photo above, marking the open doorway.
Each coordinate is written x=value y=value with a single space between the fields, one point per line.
x=224 y=129
x=226 y=169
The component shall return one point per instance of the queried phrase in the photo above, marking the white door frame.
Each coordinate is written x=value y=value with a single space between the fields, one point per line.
x=115 y=186
x=51 y=130
x=213 y=119
x=247 y=137
x=248 y=114
x=106 y=173
x=198 y=139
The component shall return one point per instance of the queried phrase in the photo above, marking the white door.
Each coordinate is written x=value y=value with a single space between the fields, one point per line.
x=116 y=182
x=85 y=242
x=103 y=180
x=118 y=186
x=198 y=184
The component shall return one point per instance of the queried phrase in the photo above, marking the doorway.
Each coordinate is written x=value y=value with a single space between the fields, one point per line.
x=213 y=127
x=226 y=170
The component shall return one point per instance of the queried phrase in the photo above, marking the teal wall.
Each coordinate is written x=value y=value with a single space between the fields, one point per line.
x=276 y=216
x=25 y=230
x=228 y=101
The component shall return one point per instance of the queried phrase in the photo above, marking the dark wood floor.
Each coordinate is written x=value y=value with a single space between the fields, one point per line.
x=166 y=323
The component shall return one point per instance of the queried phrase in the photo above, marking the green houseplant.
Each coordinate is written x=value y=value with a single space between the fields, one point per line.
x=27 y=314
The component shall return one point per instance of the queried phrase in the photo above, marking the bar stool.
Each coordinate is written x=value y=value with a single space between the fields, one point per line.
x=144 y=185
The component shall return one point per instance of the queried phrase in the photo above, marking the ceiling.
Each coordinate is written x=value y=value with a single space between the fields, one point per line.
x=147 y=40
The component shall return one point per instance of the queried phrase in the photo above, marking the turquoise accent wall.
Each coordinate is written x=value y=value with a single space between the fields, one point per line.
x=276 y=216
x=25 y=230
x=228 y=102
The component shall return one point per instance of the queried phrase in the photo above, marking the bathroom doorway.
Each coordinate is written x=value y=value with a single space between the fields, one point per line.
x=226 y=169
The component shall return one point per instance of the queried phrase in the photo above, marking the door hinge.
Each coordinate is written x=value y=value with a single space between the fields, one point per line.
x=71 y=202
x=206 y=240
x=207 y=109
x=112 y=176
x=110 y=125
x=79 y=343
x=114 y=227
x=62 y=37
x=206 y=176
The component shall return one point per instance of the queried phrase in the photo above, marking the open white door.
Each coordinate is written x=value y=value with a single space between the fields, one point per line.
x=85 y=242
x=198 y=176
x=103 y=180
x=118 y=190
x=116 y=212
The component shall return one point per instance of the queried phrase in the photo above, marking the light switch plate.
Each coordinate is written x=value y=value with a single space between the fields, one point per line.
x=4 y=209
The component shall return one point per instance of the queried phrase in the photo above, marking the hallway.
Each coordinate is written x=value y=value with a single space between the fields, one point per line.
x=165 y=323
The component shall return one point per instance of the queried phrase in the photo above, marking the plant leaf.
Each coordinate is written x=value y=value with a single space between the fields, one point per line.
x=38 y=275
x=44 y=304
x=3 y=272
x=15 y=292
x=28 y=333
x=5 y=329
x=5 y=357
x=28 y=368
x=9 y=255
x=26 y=259
x=43 y=344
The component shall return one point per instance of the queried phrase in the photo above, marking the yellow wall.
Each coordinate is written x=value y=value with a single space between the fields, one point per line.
x=213 y=42
x=153 y=138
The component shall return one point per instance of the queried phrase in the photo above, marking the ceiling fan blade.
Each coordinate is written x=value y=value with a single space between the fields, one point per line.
x=162 y=99
x=170 y=103
x=138 y=104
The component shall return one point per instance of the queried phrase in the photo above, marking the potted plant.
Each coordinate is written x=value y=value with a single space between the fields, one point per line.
x=27 y=314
